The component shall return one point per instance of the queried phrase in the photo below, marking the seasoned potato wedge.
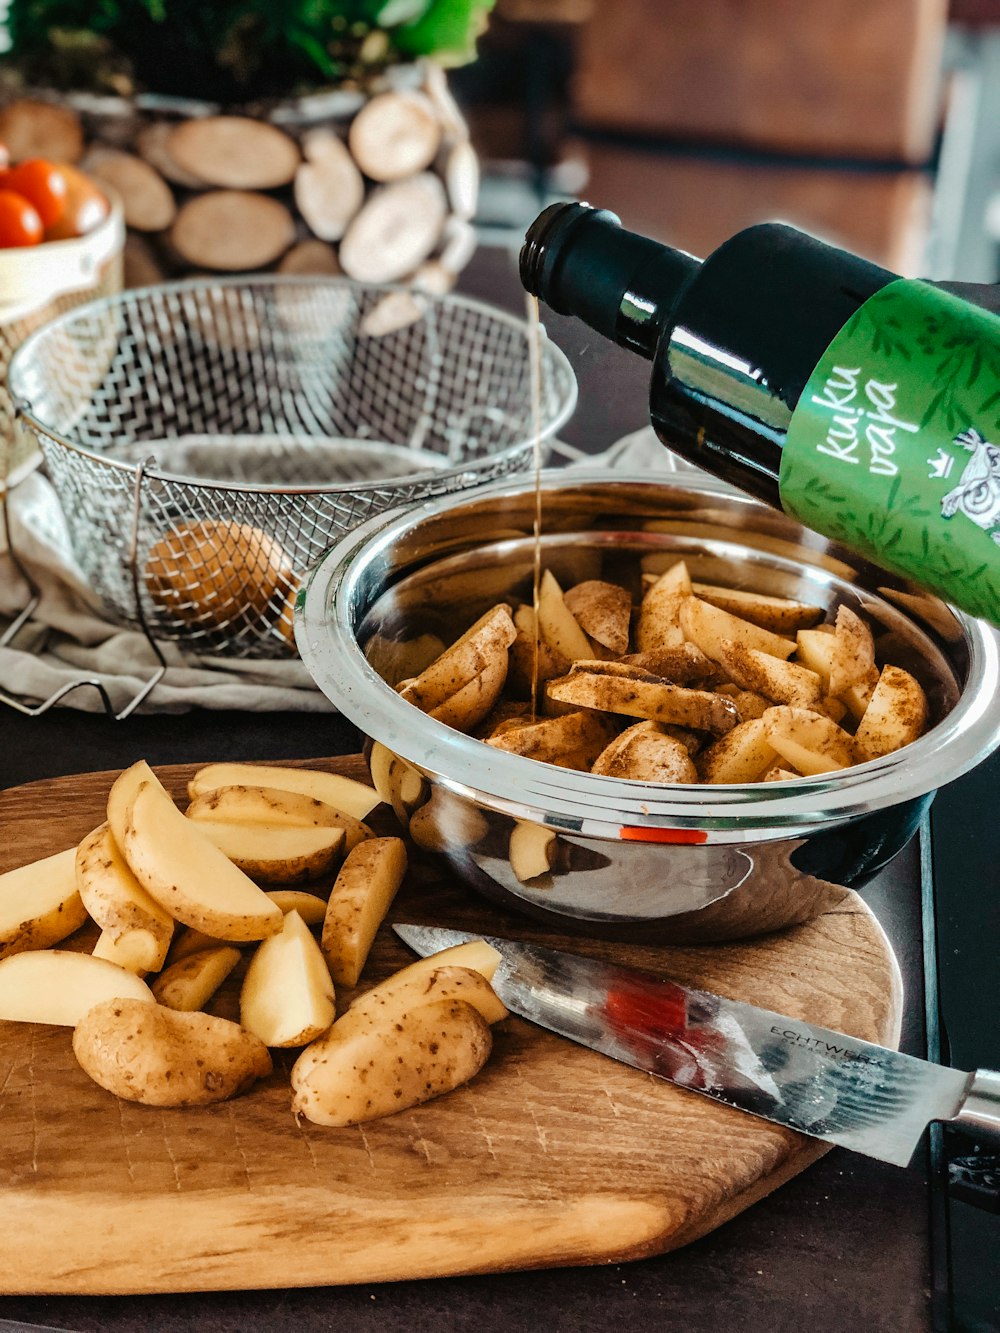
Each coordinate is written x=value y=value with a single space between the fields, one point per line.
x=742 y=755
x=782 y=682
x=781 y=615
x=558 y=626
x=659 y=624
x=709 y=626
x=646 y=696
x=853 y=660
x=895 y=716
x=161 y=1057
x=554 y=738
x=531 y=654
x=644 y=753
x=40 y=904
x=362 y=1070
x=809 y=742
x=491 y=635
x=467 y=707
x=603 y=611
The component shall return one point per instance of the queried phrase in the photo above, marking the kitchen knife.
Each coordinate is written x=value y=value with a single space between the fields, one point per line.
x=834 y=1087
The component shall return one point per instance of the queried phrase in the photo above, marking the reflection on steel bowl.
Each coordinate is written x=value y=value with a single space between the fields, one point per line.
x=621 y=857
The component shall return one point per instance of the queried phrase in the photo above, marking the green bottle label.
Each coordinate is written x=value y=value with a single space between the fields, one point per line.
x=894 y=446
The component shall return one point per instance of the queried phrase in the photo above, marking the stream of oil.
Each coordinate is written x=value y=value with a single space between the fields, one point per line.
x=535 y=365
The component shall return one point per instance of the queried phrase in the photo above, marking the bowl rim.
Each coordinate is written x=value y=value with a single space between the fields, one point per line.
x=151 y=472
x=600 y=806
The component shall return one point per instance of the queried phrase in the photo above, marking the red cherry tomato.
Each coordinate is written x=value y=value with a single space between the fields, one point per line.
x=19 y=220
x=42 y=184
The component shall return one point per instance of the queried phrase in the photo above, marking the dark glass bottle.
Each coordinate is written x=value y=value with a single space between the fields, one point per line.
x=775 y=369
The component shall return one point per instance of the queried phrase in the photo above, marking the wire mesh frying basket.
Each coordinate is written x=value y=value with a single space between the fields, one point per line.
x=263 y=419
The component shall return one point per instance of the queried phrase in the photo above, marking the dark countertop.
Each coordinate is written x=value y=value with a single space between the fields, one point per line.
x=847 y=1245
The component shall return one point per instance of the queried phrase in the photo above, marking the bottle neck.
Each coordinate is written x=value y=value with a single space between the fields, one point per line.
x=580 y=261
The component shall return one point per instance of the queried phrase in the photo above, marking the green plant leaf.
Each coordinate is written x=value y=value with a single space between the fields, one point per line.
x=448 y=29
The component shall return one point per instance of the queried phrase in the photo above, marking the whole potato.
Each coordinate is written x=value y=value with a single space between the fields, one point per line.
x=367 y=1066
x=163 y=1057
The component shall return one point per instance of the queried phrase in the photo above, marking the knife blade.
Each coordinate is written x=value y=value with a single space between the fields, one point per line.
x=826 y=1084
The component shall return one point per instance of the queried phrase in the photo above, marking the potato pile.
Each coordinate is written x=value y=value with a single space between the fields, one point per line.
x=698 y=684
x=176 y=898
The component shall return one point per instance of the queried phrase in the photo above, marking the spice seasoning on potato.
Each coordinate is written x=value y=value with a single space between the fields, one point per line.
x=705 y=661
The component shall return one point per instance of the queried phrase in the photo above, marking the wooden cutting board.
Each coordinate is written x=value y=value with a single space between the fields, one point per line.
x=553 y=1155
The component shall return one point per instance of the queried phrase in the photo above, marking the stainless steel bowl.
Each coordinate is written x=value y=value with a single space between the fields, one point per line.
x=683 y=862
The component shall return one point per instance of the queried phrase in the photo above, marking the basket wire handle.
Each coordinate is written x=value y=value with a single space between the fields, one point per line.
x=36 y=710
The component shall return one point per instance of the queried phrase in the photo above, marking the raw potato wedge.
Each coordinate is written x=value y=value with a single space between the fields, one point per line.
x=354 y=798
x=809 y=742
x=709 y=626
x=363 y=1069
x=782 y=682
x=190 y=984
x=393 y=998
x=161 y=1057
x=531 y=850
x=659 y=624
x=310 y=906
x=188 y=941
x=189 y=876
x=557 y=625
x=129 y=949
x=474 y=956
x=270 y=807
x=644 y=695
x=644 y=753
x=120 y=905
x=275 y=854
x=556 y=737
x=781 y=615
x=40 y=904
x=59 y=986
x=896 y=715
x=603 y=611
x=742 y=755
x=361 y=896
x=287 y=997
x=490 y=636
x=683 y=665
x=122 y=794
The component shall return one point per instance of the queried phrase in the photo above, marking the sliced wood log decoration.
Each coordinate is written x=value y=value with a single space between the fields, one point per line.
x=311 y=257
x=147 y=200
x=395 y=135
x=396 y=230
x=234 y=152
x=448 y=111
x=458 y=244
x=152 y=144
x=461 y=176
x=329 y=188
x=32 y=128
x=142 y=268
x=232 y=230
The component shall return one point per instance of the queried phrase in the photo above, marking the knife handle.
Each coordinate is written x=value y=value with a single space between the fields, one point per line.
x=979 y=1114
